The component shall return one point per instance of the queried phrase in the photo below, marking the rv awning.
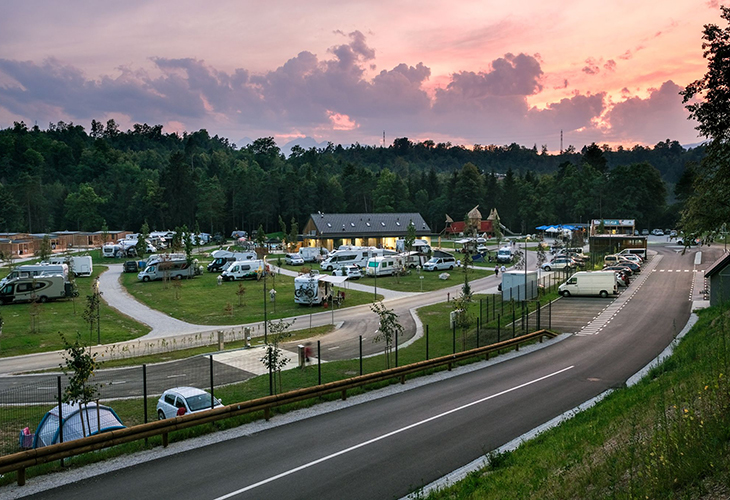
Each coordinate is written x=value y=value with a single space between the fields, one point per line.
x=335 y=280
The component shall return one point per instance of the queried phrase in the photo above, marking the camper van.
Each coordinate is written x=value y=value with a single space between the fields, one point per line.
x=420 y=246
x=601 y=283
x=170 y=269
x=31 y=270
x=312 y=289
x=349 y=256
x=387 y=265
x=122 y=248
x=164 y=257
x=81 y=265
x=245 y=269
x=41 y=288
x=222 y=258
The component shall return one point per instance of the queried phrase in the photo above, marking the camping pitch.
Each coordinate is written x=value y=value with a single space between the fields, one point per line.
x=96 y=419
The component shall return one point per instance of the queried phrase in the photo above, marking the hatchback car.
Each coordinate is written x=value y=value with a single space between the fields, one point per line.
x=635 y=268
x=352 y=272
x=294 y=259
x=183 y=400
x=624 y=269
x=558 y=263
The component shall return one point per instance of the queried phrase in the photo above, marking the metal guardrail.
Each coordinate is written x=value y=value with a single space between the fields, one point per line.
x=22 y=460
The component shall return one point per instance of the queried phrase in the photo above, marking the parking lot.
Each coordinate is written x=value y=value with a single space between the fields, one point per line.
x=571 y=315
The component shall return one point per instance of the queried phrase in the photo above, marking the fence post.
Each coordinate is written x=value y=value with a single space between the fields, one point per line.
x=426 y=342
x=212 y=386
x=60 y=418
x=271 y=375
x=514 y=321
x=453 y=336
x=499 y=324
x=478 y=323
x=144 y=392
x=396 y=349
x=550 y=315
x=319 y=363
x=480 y=311
x=360 y=354
x=539 y=310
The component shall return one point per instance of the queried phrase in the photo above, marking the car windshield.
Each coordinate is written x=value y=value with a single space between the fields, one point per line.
x=199 y=402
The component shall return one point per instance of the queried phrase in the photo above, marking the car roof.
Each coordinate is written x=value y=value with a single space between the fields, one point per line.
x=186 y=392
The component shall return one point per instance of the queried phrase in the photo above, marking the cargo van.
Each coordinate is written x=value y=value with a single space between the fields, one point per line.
x=601 y=283
x=41 y=288
x=170 y=269
x=245 y=269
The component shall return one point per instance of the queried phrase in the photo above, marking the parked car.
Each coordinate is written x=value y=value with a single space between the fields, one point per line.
x=644 y=232
x=690 y=241
x=439 y=264
x=183 y=400
x=632 y=258
x=635 y=268
x=617 y=267
x=294 y=259
x=622 y=279
x=559 y=263
x=131 y=266
x=352 y=272
x=657 y=232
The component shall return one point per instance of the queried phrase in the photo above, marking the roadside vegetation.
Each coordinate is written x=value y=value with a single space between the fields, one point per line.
x=666 y=437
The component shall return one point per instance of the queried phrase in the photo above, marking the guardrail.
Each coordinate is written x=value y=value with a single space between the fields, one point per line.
x=22 y=460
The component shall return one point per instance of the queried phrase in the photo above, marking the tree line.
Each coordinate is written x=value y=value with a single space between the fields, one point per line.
x=65 y=178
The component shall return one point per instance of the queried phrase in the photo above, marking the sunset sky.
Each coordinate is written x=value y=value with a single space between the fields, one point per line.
x=468 y=72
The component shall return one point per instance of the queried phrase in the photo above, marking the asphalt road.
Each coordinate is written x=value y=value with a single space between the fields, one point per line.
x=388 y=447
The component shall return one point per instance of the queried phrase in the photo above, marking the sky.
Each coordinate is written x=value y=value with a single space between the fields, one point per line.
x=467 y=72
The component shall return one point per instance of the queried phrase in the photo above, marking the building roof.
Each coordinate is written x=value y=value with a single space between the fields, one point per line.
x=353 y=225
x=718 y=265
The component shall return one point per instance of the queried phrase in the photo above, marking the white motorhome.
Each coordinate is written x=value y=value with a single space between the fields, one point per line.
x=245 y=269
x=41 y=288
x=313 y=254
x=419 y=246
x=32 y=270
x=81 y=265
x=170 y=269
x=349 y=256
x=314 y=288
x=386 y=265
x=222 y=258
x=601 y=283
x=164 y=257
x=122 y=248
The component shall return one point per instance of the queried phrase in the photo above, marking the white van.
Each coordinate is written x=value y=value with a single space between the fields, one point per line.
x=349 y=256
x=245 y=269
x=641 y=252
x=504 y=255
x=601 y=283
x=440 y=264
x=223 y=258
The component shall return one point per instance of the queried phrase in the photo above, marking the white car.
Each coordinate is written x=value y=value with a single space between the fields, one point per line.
x=294 y=259
x=632 y=258
x=183 y=400
x=352 y=272
x=558 y=263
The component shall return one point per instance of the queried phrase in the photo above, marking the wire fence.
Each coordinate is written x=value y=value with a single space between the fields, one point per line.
x=242 y=374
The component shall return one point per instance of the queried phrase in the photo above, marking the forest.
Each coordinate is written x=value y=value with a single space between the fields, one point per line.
x=68 y=178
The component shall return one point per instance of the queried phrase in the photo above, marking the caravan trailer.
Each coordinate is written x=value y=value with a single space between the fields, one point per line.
x=81 y=265
x=170 y=269
x=387 y=265
x=41 y=288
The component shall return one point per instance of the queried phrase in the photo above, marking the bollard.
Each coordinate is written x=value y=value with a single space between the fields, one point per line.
x=301 y=356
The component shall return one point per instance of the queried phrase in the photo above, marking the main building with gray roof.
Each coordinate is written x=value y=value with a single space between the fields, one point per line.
x=380 y=230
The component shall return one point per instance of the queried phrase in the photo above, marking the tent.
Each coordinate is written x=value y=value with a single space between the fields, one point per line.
x=96 y=419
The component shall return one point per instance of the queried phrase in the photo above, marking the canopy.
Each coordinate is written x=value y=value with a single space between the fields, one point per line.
x=335 y=280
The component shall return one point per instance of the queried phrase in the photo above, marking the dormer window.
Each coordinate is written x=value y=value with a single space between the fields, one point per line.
x=368 y=224
x=352 y=224
x=329 y=224
x=382 y=224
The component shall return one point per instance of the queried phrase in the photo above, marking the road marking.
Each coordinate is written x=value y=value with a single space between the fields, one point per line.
x=176 y=376
x=387 y=435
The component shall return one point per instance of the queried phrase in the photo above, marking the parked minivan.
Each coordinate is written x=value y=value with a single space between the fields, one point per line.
x=611 y=260
x=439 y=264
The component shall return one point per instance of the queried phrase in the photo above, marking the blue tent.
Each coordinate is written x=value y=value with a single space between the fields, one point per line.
x=542 y=228
x=96 y=419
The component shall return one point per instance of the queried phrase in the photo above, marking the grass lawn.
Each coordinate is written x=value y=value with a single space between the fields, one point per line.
x=61 y=316
x=202 y=301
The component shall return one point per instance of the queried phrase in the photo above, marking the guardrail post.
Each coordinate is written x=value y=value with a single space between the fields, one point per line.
x=21 y=476
x=360 y=354
x=319 y=363
x=165 y=440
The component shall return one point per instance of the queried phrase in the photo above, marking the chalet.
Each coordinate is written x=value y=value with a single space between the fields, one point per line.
x=378 y=230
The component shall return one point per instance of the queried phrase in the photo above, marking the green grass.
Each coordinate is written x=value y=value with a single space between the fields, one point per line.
x=62 y=316
x=202 y=301
x=667 y=437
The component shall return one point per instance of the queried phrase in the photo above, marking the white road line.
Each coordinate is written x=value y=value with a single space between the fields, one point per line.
x=387 y=435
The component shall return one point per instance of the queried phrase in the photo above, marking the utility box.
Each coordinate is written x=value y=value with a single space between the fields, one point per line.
x=519 y=285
